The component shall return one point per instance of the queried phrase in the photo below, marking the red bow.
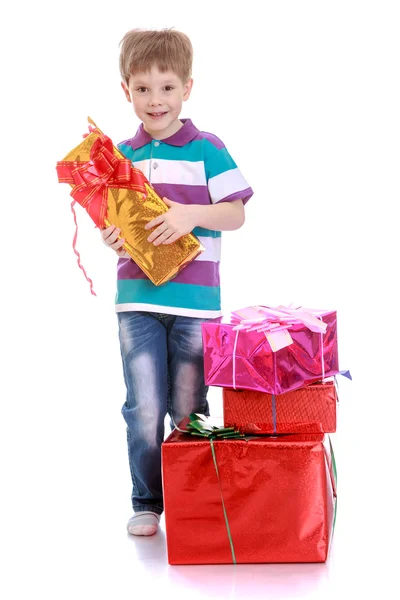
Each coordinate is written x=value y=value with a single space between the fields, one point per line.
x=92 y=179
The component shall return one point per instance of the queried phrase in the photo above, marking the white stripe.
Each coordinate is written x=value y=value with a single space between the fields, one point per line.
x=184 y=172
x=225 y=184
x=212 y=251
x=169 y=310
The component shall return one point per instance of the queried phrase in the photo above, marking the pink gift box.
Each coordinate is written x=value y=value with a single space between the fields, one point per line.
x=243 y=359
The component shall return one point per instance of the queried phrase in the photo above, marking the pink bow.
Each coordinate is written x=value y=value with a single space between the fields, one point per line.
x=275 y=322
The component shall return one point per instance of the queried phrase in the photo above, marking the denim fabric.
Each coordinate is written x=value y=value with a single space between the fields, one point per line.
x=162 y=358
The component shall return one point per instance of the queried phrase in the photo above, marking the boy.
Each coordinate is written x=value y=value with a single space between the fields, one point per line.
x=160 y=327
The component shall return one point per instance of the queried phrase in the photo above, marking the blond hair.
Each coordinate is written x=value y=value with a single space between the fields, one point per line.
x=167 y=49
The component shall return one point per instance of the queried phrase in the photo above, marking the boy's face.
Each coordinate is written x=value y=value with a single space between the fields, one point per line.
x=157 y=100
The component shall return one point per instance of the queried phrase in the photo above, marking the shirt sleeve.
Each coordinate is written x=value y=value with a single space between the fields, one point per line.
x=224 y=180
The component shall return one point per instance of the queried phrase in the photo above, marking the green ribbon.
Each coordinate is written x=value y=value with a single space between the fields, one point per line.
x=334 y=474
x=201 y=426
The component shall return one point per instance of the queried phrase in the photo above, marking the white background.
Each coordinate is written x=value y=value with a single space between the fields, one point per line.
x=306 y=96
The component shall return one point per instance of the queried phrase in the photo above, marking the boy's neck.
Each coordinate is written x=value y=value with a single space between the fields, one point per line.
x=172 y=128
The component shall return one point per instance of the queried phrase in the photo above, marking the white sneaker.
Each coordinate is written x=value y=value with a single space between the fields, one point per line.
x=143 y=523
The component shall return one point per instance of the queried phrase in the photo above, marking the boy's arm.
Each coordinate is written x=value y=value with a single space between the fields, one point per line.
x=226 y=216
x=181 y=219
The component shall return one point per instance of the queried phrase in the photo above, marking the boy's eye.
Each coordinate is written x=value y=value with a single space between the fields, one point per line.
x=141 y=89
x=168 y=88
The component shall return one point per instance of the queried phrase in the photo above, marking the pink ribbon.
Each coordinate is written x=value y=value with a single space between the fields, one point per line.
x=275 y=323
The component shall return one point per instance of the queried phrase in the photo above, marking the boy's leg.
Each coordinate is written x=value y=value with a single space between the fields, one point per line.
x=143 y=340
x=188 y=393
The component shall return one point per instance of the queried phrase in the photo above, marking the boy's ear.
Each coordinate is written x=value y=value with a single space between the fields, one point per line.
x=126 y=90
x=187 y=89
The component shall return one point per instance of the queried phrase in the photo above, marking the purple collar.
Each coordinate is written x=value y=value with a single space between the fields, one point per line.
x=186 y=134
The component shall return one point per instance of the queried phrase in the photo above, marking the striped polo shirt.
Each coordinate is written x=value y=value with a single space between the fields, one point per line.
x=190 y=167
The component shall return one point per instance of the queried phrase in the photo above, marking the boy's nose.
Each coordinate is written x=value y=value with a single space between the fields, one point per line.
x=155 y=101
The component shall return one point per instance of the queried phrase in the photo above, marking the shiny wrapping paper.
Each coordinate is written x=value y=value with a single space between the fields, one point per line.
x=130 y=210
x=311 y=409
x=245 y=360
x=279 y=495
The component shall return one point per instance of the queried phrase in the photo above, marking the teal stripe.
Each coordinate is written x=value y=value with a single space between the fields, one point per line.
x=180 y=295
x=217 y=161
x=192 y=152
x=206 y=232
x=129 y=152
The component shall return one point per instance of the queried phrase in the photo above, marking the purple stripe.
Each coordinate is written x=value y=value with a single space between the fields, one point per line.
x=244 y=195
x=184 y=194
x=203 y=135
x=199 y=272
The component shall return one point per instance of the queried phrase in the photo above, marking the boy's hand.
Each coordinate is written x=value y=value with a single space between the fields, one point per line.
x=176 y=222
x=110 y=238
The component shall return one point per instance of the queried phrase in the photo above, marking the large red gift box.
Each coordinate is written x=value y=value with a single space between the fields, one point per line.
x=243 y=359
x=272 y=500
x=311 y=409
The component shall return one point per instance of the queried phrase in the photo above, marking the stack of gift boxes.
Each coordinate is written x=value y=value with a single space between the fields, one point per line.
x=269 y=495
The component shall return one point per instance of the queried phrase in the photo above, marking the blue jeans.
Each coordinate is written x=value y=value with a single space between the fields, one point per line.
x=162 y=358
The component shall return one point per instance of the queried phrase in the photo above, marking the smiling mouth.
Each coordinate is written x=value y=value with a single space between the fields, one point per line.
x=157 y=114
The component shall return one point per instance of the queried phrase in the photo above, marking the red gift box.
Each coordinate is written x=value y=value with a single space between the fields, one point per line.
x=243 y=359
x=311 y=409
x=272 y=501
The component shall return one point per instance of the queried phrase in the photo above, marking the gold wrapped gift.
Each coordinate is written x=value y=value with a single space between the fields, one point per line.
x=114 y=192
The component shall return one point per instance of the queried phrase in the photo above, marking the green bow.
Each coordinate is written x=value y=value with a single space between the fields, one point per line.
x=200 y=425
